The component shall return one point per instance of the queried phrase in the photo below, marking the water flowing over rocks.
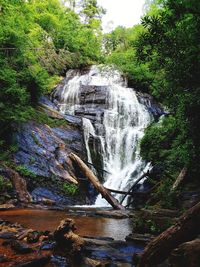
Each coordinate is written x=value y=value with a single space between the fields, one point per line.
x=103 y=122
x=114 y=120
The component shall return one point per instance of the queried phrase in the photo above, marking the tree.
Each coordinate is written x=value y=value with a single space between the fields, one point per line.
x=170 y=45
x=39 y=40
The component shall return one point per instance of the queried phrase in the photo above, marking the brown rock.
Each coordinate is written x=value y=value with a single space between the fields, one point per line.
x=19 y=184
x=92 y=263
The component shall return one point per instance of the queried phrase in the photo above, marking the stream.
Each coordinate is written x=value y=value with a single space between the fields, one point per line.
x=86 y=226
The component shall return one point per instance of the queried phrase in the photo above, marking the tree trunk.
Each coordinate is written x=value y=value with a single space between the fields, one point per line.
x=186 y=229
x=94 y=180
x=180 y=179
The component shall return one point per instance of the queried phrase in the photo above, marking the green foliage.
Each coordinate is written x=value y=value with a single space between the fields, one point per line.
x=39 y=40
x=162 y=147
x=170 y=45
x=164 y=193
x=119 y=46
x=43 y=118
x=145 y=222
x=5 y=189
x=145 y=225
x=5 y=184
x=24 y=171
x=70 y=189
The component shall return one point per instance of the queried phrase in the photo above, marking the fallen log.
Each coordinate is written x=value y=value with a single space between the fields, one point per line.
x=94 y=180
x=132 y=187
x=186 y=229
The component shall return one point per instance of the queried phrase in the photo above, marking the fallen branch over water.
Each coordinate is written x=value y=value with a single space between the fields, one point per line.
x=132 y=187
x=94 y=180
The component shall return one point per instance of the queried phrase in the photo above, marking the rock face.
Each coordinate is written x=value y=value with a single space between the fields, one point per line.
x=43 y=151
x=153 y=107
x=40 y=150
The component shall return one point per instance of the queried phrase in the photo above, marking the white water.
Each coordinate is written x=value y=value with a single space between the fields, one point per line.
x=125 y=120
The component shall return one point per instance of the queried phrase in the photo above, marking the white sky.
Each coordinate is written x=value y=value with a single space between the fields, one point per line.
x=121 y=12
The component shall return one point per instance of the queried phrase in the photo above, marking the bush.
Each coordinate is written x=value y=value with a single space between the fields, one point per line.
x=5 y=184
x=70 y=189
x=24 y=171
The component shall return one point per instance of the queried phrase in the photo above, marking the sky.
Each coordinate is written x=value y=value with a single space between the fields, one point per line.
x=121 y=12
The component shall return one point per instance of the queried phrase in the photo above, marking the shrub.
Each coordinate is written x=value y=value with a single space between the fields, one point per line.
x=24 y=171
x=70 y=189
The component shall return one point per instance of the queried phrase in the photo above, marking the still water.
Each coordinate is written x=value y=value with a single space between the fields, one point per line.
x=86 y=226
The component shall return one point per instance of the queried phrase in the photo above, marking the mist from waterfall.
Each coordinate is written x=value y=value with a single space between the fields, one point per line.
x=124 y=122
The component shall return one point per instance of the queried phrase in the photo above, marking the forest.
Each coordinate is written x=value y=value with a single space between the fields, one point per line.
x=41 y=40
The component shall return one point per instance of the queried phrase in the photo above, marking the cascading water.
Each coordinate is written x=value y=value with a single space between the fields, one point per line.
x=124 y=121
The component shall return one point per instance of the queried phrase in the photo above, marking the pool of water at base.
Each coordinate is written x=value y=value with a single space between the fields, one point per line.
x=86 y=226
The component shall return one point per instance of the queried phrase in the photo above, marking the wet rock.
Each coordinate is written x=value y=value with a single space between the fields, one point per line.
x=153 y=107
x=38 y=261
x=7 y=235
x=38 y=146
x=33 y=237
x=121 y=214
x=59 y=261
x=97 y=242
x=47 y=245
x=6 y=207
x=45 y=195
x=8 y=231
x=45 y=100
x=20 y=247
x=66 y=238
x=140 y=238
x=116 y=251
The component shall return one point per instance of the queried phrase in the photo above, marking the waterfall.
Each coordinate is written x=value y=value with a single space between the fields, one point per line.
x=119 y=129
x=88 y=130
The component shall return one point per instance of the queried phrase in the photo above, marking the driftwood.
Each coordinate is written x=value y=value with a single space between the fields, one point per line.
x=180 y=179
x=132 y=187
x=94 y=180
x=186 y=229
